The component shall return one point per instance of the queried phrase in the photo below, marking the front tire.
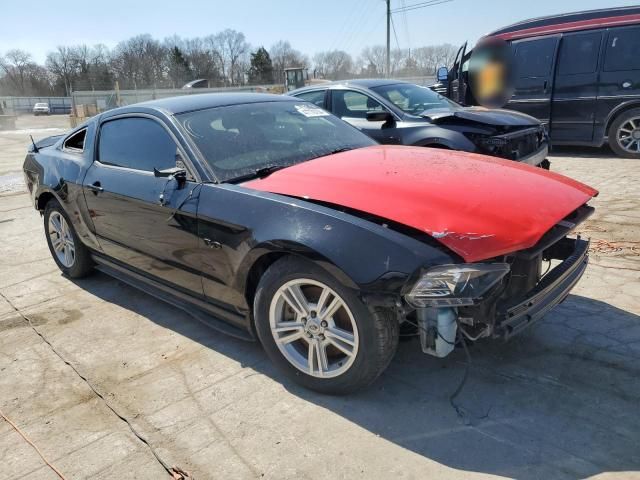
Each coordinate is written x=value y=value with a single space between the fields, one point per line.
x=69 y=253
x=319 y=332
x=624 y=134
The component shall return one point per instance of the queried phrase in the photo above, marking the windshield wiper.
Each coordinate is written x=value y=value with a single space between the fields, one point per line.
x=261 y=172
x=337 y=150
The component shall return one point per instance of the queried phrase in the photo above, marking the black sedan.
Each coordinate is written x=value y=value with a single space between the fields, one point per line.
x=399 y=113
x=269 y=218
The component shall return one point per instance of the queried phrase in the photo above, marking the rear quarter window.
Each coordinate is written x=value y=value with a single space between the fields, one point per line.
x=623 y=50
x=315 y=97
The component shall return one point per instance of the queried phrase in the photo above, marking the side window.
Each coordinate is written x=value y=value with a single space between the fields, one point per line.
x=316 y=97
x=75 y=143
x=623 y=50
x=136 y=142
x=347 y=103
x=534 y=57
x=579 y=53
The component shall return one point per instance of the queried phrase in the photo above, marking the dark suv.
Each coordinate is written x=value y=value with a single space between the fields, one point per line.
x=579 y=73
x=401 y=113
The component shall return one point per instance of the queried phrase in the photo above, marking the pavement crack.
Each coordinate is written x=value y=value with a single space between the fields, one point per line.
x=174 y=472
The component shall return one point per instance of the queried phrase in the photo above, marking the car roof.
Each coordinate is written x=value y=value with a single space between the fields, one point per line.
x=201 y=101
x=358 y=82
x=588 y=19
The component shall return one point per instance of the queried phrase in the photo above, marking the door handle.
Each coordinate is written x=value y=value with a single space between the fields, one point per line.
x=212 y=243
x=95 y=187
x=626 y=85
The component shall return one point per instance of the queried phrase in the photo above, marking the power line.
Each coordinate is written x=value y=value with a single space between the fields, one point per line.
x=393 y=27
x=346 y=31
x=406 y=25
x=416 y=6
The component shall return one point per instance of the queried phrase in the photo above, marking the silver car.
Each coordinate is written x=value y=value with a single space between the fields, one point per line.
x=41 y=109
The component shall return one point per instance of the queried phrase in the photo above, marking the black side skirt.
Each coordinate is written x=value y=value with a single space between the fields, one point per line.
x=201 y=311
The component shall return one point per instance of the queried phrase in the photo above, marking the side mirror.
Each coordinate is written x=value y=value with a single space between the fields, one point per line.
x=442 y=74
x=180 y=174
x=379 y=116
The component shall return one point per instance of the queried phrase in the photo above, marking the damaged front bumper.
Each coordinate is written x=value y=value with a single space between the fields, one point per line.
x=441 y=327
x=537 y=157
x=552 y=289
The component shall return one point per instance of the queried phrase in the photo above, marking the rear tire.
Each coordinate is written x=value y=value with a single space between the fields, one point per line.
x=624 y=134
x=338 y=349
x=66 y=248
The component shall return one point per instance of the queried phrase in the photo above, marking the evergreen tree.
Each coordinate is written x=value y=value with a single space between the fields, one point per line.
x=261 y=70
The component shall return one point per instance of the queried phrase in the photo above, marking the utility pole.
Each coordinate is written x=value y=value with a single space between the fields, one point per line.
x=388 y=38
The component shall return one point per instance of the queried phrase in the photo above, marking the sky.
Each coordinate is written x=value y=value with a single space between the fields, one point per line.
x=38 y=26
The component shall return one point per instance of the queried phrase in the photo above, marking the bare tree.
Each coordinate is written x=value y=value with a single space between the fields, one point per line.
x=204 y=63
x=16 y=65
x=284 y=56
x=373 y=60
x=234 y=54
x=336 y=65
x=62 y=63
x=140 y=62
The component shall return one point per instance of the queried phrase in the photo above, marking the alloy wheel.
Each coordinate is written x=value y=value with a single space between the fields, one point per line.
x=628 y=135
x=62 y=239
x=313 y=328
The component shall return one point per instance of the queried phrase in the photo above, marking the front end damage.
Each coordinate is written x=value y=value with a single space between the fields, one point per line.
x=498 y=298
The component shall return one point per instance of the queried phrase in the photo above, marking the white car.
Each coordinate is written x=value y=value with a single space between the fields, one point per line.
x=41 y=109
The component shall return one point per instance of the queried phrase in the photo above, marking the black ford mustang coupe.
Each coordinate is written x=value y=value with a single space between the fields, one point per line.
x=269 y=218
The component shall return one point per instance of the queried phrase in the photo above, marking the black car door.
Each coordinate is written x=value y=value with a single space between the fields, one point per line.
x=534 y=68
x=620 y=75
x=575 y=88
x=142 y=220
x=352 y=107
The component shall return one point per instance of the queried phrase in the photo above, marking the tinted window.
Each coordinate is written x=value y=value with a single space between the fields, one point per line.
x=579 y=53
x=350 y=104
x=534 y=57
x=316 y=97
x=239 y=139
x=413 y=98
x=139 y=143
x=623 y=50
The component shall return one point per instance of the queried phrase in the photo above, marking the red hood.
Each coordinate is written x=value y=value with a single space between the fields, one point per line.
x=480 y=207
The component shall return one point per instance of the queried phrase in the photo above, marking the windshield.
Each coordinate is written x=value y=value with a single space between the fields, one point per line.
x=238 y=140
x=414 y=99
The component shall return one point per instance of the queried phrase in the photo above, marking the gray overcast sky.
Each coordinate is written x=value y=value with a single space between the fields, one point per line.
x=38 y=26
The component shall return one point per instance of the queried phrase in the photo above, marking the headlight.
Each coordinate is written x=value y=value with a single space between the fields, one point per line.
x=455 y=285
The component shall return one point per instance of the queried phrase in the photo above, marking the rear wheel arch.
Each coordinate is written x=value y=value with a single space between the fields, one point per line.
x=628 y=118
x=621 y=110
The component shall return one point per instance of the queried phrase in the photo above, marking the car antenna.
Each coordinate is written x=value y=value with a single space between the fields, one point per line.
x=35 y=147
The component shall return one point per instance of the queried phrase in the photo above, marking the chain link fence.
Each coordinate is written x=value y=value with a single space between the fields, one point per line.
x=24 y=105
x=89 y=103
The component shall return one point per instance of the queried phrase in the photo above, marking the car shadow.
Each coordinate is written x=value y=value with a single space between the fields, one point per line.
x=560 y=401
x=603 y=152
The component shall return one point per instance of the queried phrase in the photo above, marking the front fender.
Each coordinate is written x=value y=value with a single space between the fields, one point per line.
x=434 y=135
x=362 y=254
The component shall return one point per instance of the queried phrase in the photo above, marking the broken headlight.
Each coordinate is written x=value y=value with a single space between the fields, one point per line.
x=455 y=285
